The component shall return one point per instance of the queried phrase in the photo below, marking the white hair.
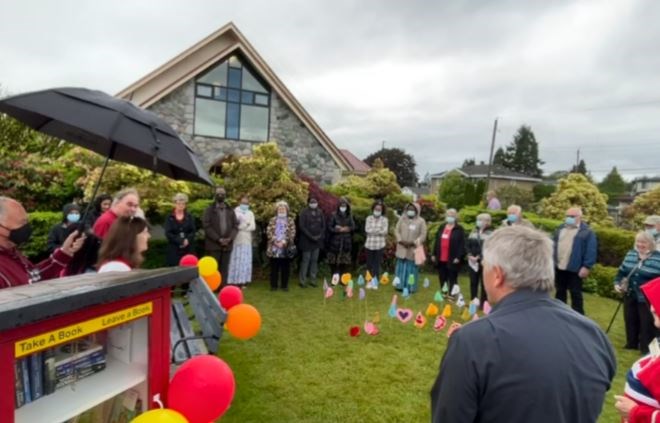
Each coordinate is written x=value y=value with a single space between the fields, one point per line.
x=180 y=197
x=452 y=210
x=646 y=237
x=524 y=255
x=123 y=193
x=514 y=208
x=485 y=217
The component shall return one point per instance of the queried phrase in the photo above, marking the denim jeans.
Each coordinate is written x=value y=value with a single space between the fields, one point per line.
x=309 y=265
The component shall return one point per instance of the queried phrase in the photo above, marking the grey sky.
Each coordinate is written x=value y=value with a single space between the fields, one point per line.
x=429 y=77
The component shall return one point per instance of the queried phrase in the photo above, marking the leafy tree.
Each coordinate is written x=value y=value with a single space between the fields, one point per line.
x=613 y=185
x=469 y=162
x=644 y=205
x=398 y=161
x=265 y=177
x=522 y=155
x=511 y=194
x=577 y=190
x=327 y=202
x=542 y=191
x=452 y=190
x=581 y=167
x=432 y=209
x=500 y=159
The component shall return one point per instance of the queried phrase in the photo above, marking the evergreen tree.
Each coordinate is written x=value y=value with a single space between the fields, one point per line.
x=613 y=185
x=522 y=155
x=580 y=168
x=452 y=190
x=469 y=162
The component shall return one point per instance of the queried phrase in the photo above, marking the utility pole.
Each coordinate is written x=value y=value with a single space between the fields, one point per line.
x=490 y=159
x=577 y=161
x=382 y=147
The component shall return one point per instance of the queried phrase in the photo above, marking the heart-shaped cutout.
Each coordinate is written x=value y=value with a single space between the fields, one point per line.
x=370 y=328
x=404 y=314
x=440 y=323
x=420 y=320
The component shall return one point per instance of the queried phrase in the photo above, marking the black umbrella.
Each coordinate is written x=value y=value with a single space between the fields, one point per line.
x=112 y=127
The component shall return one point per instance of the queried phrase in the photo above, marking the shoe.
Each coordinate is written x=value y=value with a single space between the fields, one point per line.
x=273 y=288
x=302 y=285
x=285 y=289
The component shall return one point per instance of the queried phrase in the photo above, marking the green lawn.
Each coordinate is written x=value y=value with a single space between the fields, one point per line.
x=303 y=366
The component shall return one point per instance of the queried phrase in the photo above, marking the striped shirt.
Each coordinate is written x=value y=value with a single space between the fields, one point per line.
x=649 y=270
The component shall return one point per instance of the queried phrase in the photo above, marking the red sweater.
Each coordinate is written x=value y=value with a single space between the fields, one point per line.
x=103 y=223
x=16 y=269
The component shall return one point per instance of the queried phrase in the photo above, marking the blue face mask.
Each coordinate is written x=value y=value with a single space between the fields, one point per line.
x=570 y=221
x=73 y=217
x=411 y=213
x=652 y=231
x=450 y=219
x=512 y=218
x=244 y=207
x=480 y=224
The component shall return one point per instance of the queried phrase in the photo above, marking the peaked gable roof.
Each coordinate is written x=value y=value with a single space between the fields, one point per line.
x=199 y=57
x=481 y=171
x=358 y=165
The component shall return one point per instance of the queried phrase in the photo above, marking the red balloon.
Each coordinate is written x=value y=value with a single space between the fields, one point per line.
x=189 y=260
x=230 y=296
x=202 y=389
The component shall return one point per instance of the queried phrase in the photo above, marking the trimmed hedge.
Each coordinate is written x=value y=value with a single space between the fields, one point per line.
x=601 y=281
x=41 y=223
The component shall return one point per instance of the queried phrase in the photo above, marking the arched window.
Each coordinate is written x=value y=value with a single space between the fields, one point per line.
x=231 y=102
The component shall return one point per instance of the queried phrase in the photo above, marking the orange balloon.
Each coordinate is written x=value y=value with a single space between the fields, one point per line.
x=243 y=321
x=213 y=280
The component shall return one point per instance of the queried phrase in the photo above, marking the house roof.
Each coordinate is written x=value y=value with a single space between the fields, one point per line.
x=647 y=179
x=222 y=43
x=481 y=171
x=357 y=165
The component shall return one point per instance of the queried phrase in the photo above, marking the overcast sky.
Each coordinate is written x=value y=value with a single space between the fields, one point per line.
x=428 y=77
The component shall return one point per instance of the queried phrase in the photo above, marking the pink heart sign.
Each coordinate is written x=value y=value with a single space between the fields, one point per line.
x=404 y=314
x=440 y=323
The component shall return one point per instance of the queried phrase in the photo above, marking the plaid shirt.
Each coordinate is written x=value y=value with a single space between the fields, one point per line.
x=376 y=229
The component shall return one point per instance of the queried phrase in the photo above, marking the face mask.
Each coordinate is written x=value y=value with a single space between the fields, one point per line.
x=313 y=205
x=20 y=235
x=570 y=221
x=512 y=218
x=281 y=215
x=450 y=219
x=377 y=213
x=652 y=231
x=480 y=224
x=219 y=198
x=343 y=209
x=411 y=213
x=73 y=217
x=244 y=207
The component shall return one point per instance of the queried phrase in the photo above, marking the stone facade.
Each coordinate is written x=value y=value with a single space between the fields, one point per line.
x=305 y=153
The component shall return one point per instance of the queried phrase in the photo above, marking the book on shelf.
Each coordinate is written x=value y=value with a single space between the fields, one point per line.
x=18 y=384
x=36 y=376
x=25 y=372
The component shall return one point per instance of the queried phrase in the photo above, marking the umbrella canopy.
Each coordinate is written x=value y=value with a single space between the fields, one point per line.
x=110 y=126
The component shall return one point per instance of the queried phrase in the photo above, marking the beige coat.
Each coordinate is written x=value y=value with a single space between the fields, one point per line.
x=409 y=230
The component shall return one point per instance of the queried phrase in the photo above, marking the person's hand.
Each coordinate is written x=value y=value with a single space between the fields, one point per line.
x=432 y=259
x=624 y=405
x=185 y=242
x=456 y=261
x=583 y=273
x=618 y=289
x=71 y=244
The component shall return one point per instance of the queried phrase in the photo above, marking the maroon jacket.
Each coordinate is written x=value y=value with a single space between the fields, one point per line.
x=16 y=269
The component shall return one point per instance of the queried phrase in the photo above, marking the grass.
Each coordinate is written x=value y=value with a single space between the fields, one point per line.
x=304 y=367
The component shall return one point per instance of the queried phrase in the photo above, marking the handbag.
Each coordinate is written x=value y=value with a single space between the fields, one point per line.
x=291 y=251
x=420 y=255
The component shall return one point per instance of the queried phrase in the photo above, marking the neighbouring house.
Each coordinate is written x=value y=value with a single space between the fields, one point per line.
x=644 y=184
x=499 y=177
x=359 y=167
x=223 y=99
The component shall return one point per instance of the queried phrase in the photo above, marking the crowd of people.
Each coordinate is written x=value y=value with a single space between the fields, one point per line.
x=514 y=267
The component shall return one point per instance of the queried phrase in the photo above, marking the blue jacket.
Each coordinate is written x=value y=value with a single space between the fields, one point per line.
x=585 y=248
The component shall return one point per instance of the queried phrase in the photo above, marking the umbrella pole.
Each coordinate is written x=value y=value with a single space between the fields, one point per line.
x=96 y=188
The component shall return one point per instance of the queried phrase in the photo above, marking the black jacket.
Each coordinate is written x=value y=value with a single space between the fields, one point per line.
x=456 y=245
x=176 y=232
x=473 y=244
x=311 y=224
x=56 y=237
x=341 y=242
x=532 y=359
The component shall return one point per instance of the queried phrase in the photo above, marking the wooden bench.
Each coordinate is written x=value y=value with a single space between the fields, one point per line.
x=185 y=342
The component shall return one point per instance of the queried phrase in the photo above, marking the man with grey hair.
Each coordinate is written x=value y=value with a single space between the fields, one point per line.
x=514 y=217
x=532 y=359
x=652 y=226
x=15 y=230
x=124 y=204
x=575 y=252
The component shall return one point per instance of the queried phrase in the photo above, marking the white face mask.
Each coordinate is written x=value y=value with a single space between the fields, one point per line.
x=377 y=213
x=343 y=209
x=281 y=214
x=313 y=205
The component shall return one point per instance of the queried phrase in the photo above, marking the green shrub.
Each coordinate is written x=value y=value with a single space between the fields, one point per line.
x=601 y=281
x=41 y=223
x=613 y=244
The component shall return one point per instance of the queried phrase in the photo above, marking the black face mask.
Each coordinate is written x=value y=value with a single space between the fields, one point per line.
x=20 y=235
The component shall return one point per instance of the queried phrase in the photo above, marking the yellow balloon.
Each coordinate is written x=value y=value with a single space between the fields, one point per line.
x=207 y=266
x=160 y=416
